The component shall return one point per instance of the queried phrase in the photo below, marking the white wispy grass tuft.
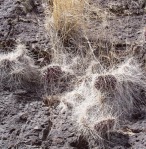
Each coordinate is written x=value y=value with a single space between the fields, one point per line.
x=17 y=69
x=104 y=98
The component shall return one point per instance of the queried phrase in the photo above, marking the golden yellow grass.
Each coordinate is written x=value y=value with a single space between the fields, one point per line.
x=68 y=15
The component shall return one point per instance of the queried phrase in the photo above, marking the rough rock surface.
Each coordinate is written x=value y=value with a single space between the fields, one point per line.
x=25 y=122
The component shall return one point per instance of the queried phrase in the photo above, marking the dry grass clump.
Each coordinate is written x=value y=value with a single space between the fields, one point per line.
x=68 y=15
x=88 y=115
x=71 y=24
x=103 y=99
x=17 y=69
x=90 y=120
x=66 y=18
x=65 y=24
x=123 y=86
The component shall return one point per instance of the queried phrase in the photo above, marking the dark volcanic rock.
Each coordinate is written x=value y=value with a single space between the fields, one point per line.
x=21 y=121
